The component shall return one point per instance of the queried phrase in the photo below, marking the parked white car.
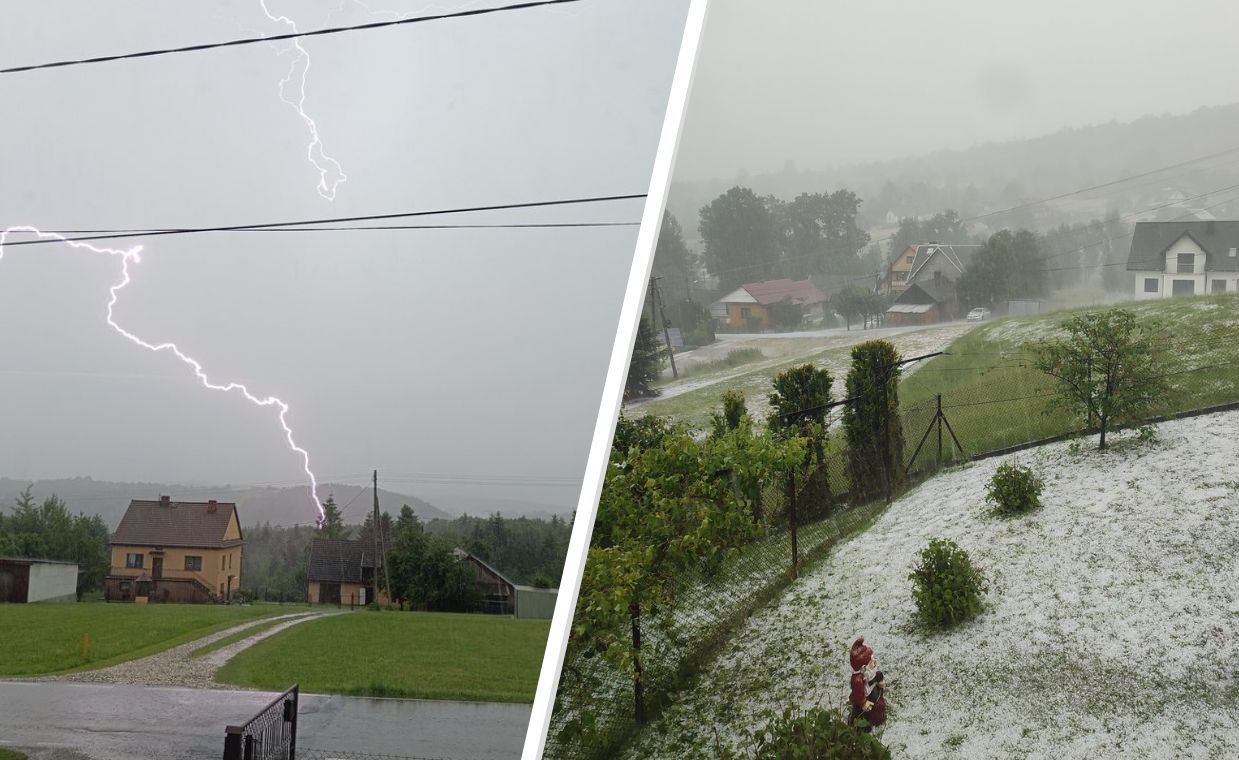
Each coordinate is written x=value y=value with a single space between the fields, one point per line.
x=978 y=314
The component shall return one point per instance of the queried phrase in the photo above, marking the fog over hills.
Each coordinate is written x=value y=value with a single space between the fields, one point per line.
x=277 y=505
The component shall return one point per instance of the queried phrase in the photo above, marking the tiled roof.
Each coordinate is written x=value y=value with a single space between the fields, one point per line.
x=334 y=560
x=801 y=292
x=176 y=523
x=1152 y=239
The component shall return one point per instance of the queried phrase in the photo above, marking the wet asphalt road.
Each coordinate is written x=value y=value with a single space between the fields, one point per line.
x=111 y=722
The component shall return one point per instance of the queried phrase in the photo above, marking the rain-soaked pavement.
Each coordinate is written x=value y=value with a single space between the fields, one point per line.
x=118 y=722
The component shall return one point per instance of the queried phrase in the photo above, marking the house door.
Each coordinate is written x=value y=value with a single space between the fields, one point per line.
x=156 y=567
x=329 y=593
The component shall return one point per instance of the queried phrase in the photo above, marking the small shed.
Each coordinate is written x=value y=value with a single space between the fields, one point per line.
x=37 y=580
x=498 y=594
x=535 y=603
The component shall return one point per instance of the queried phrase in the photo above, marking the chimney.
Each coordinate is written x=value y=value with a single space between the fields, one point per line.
x=212 y=506
x=165 y=501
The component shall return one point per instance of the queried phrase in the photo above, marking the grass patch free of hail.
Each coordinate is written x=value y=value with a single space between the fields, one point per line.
x=47 y=638
x=8 y=754
x=420 y=655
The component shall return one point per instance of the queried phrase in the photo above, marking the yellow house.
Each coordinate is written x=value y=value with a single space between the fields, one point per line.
x=176 y=551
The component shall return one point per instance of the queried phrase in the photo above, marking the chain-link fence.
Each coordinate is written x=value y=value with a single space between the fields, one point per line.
x=951 y=410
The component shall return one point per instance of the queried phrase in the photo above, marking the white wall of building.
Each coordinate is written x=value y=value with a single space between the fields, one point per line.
x=52 y=582
x=1202 y=282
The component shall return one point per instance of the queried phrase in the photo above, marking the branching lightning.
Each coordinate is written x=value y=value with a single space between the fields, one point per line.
x=132 y=256
x=330 y=174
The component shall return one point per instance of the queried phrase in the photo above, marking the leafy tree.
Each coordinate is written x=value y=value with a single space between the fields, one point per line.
x=1109 y=368
x=871 y=421
x=786 y=315
x=48 y=530
x=1009 y=265
x=647 y=362
x=850 y=303
x=645 y=432
x=740 y=237
x=798 y=409
x=734 y=413
x=820 y=233
x=663 y=511
x=673 y=261
x=331 y=525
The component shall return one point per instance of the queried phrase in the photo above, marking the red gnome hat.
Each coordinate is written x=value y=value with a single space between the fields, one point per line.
x=860 y=654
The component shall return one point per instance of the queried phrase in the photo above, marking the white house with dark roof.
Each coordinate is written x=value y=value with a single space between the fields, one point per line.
x=1185 y=258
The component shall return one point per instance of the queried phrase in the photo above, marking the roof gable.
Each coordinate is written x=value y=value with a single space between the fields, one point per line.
x=195 y=524
x=1152 y=240
x=802 y=292
x=338 y=560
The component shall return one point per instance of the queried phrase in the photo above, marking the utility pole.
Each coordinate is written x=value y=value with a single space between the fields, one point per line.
x=380 y=554
x=658 y=302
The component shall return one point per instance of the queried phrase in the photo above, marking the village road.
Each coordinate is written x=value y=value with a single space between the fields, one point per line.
x=120 y=722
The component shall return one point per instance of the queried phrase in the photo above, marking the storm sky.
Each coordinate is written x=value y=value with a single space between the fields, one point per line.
x=847 y=81
x=471 y=354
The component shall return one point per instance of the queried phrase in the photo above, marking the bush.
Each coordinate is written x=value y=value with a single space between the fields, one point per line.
x=1014 y=490
x=947 y=588
x=816 y=734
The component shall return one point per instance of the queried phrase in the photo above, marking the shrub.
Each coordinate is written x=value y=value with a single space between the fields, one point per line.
x=815 y=734
x=1014 y=490
x=947 y=588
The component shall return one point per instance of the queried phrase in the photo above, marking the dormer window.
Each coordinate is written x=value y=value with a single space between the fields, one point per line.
x=1234 y=252
x=1187 y=263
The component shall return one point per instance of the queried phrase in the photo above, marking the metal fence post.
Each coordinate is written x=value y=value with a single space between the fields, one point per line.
x=232 y=743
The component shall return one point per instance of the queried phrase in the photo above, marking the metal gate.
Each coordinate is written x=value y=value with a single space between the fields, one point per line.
x=269 y=735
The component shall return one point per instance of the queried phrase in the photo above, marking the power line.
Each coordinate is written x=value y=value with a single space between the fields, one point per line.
x=334 y=220
x=278 y=37
x=385 y=227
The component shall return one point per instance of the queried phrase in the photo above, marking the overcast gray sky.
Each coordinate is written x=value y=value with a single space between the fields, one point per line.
x=455 y=352
x=828 y=83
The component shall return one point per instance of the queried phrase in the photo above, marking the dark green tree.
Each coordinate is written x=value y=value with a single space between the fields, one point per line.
x=871 y=421
x=732 y=415
x=740 y=237
x=1009 y=265
x=674 y=262
x=798 y=408
x=332 y=523
x=647 y=362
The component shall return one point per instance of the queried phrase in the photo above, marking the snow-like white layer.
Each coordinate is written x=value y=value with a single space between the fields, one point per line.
x=1110 y=629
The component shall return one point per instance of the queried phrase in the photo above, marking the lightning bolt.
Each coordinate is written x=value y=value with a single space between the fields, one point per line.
x=132 y=256
x=330 y=174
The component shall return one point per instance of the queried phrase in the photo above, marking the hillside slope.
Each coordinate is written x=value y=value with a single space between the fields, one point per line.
x=1109 y=630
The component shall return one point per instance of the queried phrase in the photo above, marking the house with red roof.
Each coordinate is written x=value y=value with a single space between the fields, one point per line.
x=748 y=306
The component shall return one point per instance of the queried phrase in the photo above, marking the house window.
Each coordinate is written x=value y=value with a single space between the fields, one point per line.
x=1187 y=263
x=1183 y=287
x=133 y=560
x=745 y=312
x=193 y=563
x=1150 y=284
x=229 y=561
x=909 y=259
x=221 y=562
x=1219 y=286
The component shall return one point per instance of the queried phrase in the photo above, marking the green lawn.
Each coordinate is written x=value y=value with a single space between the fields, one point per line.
x=47 y=638
x=991 y=363
x=421 y=655
x=9 y=754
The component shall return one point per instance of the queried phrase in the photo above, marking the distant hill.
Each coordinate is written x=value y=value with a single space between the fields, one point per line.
x=279 y=506
x=992 y=176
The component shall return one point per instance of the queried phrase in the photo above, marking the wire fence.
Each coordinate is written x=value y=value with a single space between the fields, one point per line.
x=991 y=404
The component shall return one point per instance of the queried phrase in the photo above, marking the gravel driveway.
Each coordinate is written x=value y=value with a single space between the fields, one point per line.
x=175 y=667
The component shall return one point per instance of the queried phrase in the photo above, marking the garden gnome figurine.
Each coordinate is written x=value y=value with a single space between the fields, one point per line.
x=863 y=662
x=877 y=697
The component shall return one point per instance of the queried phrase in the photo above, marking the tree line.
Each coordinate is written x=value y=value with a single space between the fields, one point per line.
x=425 y=573
x=48 y=530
